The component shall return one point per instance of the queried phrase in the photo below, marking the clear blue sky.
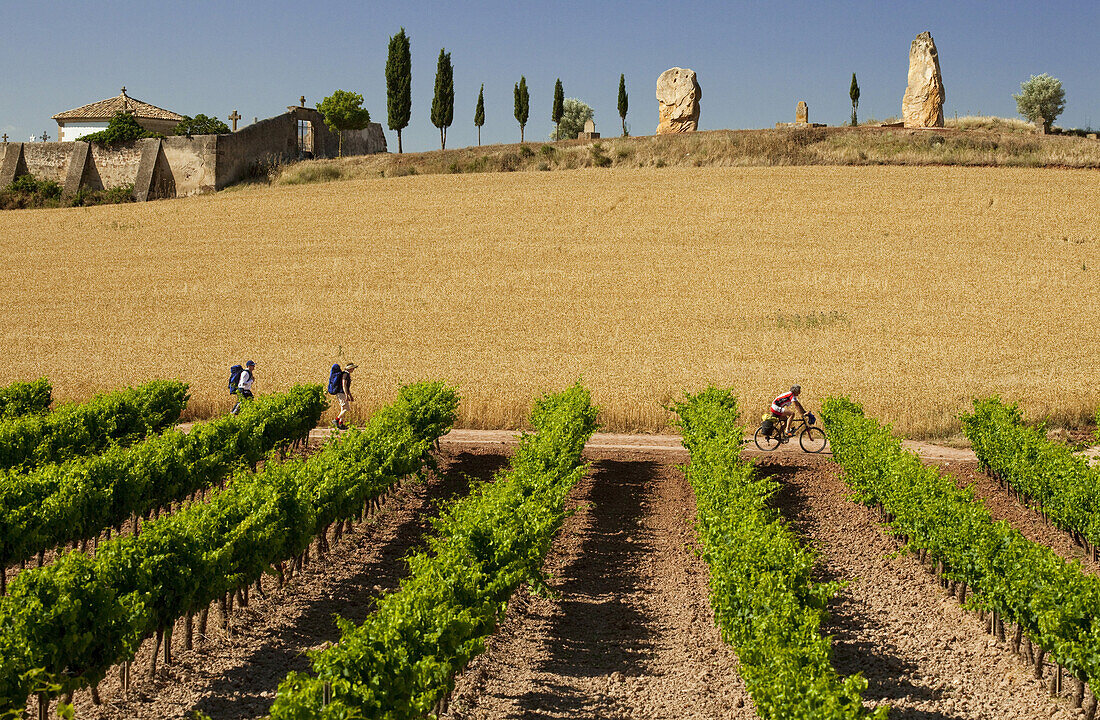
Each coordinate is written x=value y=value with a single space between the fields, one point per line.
x=755 y=60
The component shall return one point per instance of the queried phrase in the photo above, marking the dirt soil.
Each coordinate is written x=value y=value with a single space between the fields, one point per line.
x=629 y=632
x=919 y=651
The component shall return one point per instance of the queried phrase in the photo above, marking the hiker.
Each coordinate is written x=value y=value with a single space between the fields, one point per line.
x=339 y=385
x=243 y=386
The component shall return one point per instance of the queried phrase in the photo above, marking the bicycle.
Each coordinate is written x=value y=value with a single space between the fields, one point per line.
x=770 y=435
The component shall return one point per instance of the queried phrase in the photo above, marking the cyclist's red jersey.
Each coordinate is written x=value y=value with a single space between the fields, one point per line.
x=781 y=402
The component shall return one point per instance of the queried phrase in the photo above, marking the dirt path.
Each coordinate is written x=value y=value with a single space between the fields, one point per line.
x=235 y=677
x=1003 y=506
x=920 y=652
x=630 y=632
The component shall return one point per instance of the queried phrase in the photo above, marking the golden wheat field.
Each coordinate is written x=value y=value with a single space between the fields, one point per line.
x=910 y=289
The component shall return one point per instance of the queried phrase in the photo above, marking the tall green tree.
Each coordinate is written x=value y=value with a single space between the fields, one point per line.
x=443 y=104
x=399 y=84
x=1041 y=98
x=853 y=93
x=343 y=110
x=559 y=106
x=522 y=106
x=479 y=113
x=623 y=101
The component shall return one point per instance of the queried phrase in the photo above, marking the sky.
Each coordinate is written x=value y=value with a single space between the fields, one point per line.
x=754 y=60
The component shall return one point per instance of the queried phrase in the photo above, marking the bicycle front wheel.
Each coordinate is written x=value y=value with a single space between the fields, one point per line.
x=813 y=440
x=764 y=441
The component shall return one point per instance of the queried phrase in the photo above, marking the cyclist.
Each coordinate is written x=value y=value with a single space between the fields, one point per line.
x=784 y=406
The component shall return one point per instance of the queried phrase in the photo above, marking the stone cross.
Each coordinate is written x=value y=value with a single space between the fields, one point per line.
x=234 y=118
x=802 y=114
x=302 y=100
x=5 y=138
x=45 y=136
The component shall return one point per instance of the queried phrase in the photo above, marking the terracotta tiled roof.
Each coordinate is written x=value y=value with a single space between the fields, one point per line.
x=106 y=109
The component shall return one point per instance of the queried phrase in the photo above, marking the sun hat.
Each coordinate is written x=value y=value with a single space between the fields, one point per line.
x=350 y=366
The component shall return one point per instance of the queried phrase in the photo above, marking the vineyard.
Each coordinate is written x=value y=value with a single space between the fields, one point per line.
x=244 y=568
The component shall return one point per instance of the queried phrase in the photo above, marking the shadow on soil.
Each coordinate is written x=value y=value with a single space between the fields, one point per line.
x=887 y=672
x=600 y=632
x=236 y=694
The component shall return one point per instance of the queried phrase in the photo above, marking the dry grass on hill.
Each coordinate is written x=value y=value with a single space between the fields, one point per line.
x=981 y=141
x=910 y=289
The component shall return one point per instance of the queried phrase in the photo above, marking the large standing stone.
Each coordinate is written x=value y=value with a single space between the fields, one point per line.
x=678 y=96
x=802 y=113
x=922 y=105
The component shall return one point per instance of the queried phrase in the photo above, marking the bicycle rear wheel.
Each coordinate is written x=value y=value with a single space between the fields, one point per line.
x=812 y=439
x=764 y=441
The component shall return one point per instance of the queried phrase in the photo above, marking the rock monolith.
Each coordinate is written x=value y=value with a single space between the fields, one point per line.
x=678 y=96
x=922 y=105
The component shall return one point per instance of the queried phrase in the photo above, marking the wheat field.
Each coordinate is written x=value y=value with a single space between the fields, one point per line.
x=910 y=289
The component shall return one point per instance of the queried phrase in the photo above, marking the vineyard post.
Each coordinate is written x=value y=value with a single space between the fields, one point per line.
x=188 y=630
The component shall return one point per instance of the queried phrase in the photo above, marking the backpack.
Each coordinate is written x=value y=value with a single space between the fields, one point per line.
x=335 y=380
x=234 y=378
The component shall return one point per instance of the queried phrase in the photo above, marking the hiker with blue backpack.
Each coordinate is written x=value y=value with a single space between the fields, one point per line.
x=240 y=383
x=339 y=386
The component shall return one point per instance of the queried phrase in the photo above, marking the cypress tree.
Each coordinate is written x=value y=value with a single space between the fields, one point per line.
x=853 y=92
x=443 y=104
x=623 y=101
x=399 y=84
x=559 y=108
x=523 y=105
x=479 y=113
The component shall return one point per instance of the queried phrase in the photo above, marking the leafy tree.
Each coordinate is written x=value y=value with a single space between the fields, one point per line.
x=522 y=105
x=201 y=125
x=399 y=84
x=559 y=101
x=574 y=115
x=1041 y=97
x=853 y=93
x=343 y=110
x=123 y=127
x=623 y=101
x=443 y=104
x=479 y=113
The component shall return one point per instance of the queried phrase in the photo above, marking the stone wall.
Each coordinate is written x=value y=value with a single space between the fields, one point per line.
x=114 y=166
x=47 y=161
x=178 y=166
x=192 y=162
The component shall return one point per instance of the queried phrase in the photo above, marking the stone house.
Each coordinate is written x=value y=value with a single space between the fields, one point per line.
x=78 y=122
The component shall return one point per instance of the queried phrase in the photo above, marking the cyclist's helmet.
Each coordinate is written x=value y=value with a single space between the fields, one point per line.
x=796 y=388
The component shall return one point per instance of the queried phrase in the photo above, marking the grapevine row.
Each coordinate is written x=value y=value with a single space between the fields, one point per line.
x=402 y=661
x=57 y=504
x=70 y=431
x=1044 y=473
x=1052 y=602
x=764 y=599
x=63 y=626
x=25 y=398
